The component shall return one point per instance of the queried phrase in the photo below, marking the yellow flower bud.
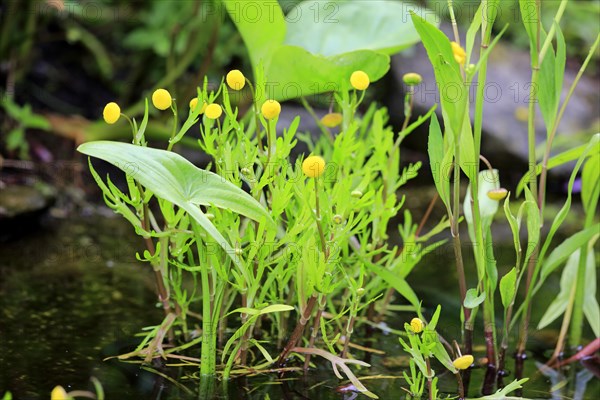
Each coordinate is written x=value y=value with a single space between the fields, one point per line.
x=416 y=325
x=270 y=109
x=356 y=194
x=111 y=113
x=359 y=80
x=497 y=194
x=58 y=393
x=235 y=79
x=463 y=362
x=313 y=166
x=332 y=120
x=161 y=99
x=213 y=111
x=412 y=79
x=338 y=219
x=194 y=103
x=459 y=53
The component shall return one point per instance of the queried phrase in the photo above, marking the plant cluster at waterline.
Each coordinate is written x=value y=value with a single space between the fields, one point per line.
x=265 y=264
x=262 y=243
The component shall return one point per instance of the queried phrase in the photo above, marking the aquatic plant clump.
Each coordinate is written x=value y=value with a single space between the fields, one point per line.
x=264 y=264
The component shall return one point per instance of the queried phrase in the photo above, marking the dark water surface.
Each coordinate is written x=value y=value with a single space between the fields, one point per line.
x=72 y=294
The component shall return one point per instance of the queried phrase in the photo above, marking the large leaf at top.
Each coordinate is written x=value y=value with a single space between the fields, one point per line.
x=173 y=178
x=292 y=68
x=261 y=24
x=310 y=74
x=341 y=26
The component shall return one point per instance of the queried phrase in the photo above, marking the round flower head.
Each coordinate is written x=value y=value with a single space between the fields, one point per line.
x=213 y=111
x=111 y=113
x=416 y=325
x=459 y=53
x=313 y=166
x=359 y=80
x=497 y=194
x=194 y=103
x=412 y=79
x=270 y=109
x=332 y=120
x=235 y=79
x=58 y=393
x=463 y=362
x=161 y=99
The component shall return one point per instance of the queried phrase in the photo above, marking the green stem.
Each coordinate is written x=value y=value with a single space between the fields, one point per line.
x=175 y=124
x=209 y=334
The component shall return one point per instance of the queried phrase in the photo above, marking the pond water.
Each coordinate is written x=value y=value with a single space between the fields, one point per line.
x=72 y=294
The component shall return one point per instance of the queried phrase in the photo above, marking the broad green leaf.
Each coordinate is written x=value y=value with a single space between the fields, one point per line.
x=339 y=26
x=310 y=74
x=508 y=287
x=263 y=30
x=173 y=178
x=290 y=68
x=566 y=249
x=472 y=300
x=435 y=148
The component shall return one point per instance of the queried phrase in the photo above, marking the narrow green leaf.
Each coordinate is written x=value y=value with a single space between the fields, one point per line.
x=276 y=308
x=566 y=249
x=435 y=148
x=508 y=286
x=590 y=183
x=591 y=309
x=399 y=284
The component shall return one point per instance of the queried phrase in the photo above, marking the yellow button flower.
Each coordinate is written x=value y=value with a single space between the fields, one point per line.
x=235 y=79
x=412 y=79
x=213 y=111
x=111 y=113
x=497 y=194
x=194 y=103
x=459 y=53
x=58 y=393
x=313 y=166
x=359 y=80
x=270 y=109
x=416 y=325
x=463 y=362
x=332 y=120
x=161 y=99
